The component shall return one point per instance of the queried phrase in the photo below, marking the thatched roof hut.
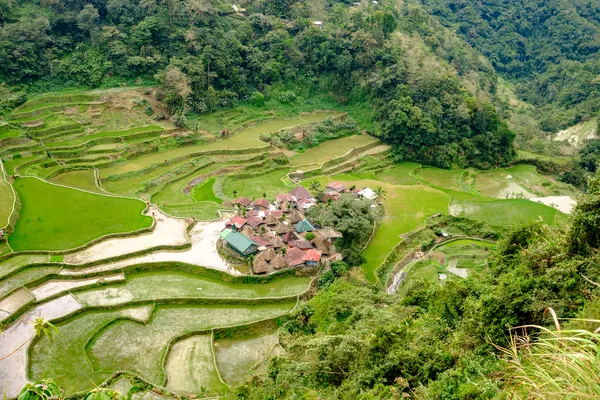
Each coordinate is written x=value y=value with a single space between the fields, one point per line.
x=268 y=254
x=281 y=228
x=278 y=262
x=260 y=266
x=272 y=220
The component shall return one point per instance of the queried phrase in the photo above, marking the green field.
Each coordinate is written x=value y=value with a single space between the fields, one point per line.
x=84 y=179
x=271 y=183
x=140 y=347
x=329 y=150
x=399 y=174
x=504 y=212
x=526 y=174
x=98 y=135
x=204 y=191
x=206 y=211
x=44 y=224
x=236 y=357
x=190 y=367
x=171 y=284
x=245 y=138
x=406 y=210
x=64 y=358
x=7 y=199
x=448 y=179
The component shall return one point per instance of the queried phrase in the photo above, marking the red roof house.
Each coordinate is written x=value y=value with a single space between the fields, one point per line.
x=312 y=256
x=294 y=257
x=242 y=201
x=255 y=222
x=335 y=187
x=283 y=197
x=261 y=204
x=237 y=221
x=301 y=244
x=300 y=193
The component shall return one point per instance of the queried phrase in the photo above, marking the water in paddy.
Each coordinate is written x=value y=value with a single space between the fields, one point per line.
x=245 y=138
x=170 y=284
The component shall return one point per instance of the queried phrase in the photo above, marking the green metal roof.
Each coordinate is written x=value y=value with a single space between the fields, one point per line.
x=304 y=226
x=239 y=242
x=224 y=233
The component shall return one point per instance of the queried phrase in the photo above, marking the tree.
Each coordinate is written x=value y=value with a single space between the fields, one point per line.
x=40 y=390
x=101 y=393
x=381 y=193
x=41 y=327
x=87 y=20
x=315 y=186
x=584 y=234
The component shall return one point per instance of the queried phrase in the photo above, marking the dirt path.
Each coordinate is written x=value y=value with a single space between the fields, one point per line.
x=168 y=231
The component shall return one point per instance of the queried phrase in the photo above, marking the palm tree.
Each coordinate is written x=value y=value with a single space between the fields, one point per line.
x=381 y=193
x=315 y=186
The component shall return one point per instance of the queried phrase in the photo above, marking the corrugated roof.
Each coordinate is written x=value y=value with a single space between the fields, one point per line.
x=312 y=255
x=300 y=193
x=239 y=241
x=304 y=226
x=224 y=233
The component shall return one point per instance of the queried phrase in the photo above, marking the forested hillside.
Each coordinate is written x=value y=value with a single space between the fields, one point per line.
x=549 y=49
x=416 y=84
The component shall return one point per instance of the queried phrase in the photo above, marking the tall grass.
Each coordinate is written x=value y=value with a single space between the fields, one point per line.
x=554 y=364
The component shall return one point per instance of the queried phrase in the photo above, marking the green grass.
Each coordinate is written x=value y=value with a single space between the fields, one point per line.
x=526 y=174
x=190 y=367
x=499 y=184
x=14 y=263
x=406 y=209
x=237 y=356
x=64 y=359
x=444 y=178
x=427 y=270
x=173 y=284
x=172 y=192
x=128 y=345
x=8 y=134
x=399 y=174
x=83 y=179
x=204 y=191
x=330 y=149
x=200 y=211
x=525 y=155
x=7 y=199
x=270 y=183
x=24 y=277
x=245 y=138
x=504 y=212
x=57 y=218
x=128 y=186
x=12 y=165
x=86 y=138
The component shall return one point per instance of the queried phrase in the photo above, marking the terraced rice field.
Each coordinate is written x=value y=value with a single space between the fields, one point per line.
x=44 y=223
x=166 y=305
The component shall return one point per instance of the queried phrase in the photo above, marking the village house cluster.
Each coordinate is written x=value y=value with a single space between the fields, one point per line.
x=279 y=235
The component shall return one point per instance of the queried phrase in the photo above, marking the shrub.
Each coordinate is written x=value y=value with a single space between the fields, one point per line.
x=257 y=99
x=179 y=120
x=149 y=110
x=287 y=97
